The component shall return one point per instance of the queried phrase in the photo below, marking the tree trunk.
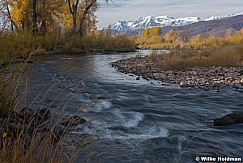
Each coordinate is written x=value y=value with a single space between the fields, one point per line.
x=73 y=10
x=84 y=15
x=34 y=17
x=11 y=21
x=74 y=15
x=26 y=23
x=43 y=28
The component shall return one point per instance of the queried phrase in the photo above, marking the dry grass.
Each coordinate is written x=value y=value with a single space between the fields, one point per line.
x=225 y=56
x=28 y=142
x=14 y=46
x=100 y=42
x=22 y=45
x=22 y=148
x=178 y=158
x=8 y=94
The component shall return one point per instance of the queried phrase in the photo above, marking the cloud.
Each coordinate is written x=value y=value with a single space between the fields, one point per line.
x=133 y=9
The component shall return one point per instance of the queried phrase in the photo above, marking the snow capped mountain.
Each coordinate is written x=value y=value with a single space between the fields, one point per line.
x=212 y=18
x=121 y=26
x=236 y=14
x=151 y=21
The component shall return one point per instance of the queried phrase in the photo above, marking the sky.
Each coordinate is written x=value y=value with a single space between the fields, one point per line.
x=133 y=9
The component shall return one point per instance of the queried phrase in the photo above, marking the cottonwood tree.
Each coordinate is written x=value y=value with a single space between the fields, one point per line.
x=183 y=35
x=40 y=16
x=50 y=15
x=21 y=11
x=153 y=31
x=5 y=12
x=82 y=11
x=89 y=7
x=73 y=8
x=36 y=15
x=170 y=36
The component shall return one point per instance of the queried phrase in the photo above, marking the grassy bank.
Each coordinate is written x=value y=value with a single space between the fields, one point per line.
x=31 y=135
x=25 y=45
x=224 y=56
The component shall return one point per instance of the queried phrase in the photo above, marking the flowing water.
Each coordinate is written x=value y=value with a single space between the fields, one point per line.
x=136 y=120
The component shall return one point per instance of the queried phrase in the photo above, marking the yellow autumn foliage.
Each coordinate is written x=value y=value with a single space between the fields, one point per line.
x=151 y=39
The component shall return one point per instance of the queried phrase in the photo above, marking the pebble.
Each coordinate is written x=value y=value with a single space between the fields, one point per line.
x=196 y=77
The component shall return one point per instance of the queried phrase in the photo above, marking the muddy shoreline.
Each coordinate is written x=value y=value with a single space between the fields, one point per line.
x=195 y=77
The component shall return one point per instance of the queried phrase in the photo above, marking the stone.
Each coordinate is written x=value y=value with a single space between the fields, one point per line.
x=196 y=77
x=229 y=119
x=74 y=121
x=26 y=113
x=182 y=84
x=42 y=116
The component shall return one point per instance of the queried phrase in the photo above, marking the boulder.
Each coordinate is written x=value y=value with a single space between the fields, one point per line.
x=26 y=114
x=74 y=121
x=42 y=116
x=229 y=119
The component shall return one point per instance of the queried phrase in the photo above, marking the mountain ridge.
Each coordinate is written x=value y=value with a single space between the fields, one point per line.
x=162 y=21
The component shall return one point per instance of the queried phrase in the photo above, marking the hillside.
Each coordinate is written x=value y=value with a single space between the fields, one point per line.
x=214 y=26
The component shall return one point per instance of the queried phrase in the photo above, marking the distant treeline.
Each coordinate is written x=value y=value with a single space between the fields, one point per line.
x=180 y=39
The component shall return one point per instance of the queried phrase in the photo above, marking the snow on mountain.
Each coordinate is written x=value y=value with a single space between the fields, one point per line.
x=212 y=18
x=236 y=14
x=151 y=21
x=186 y=21
x=121 y=26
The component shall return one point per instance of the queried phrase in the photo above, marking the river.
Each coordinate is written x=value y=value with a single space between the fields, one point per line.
x=135 y=120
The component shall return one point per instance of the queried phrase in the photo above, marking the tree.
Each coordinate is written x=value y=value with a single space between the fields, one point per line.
x=153 y=31
x=34 y=17
x=40 y=16
x=84 y=9
x=109 y=30
x=21 y=11
x=183 y=35
x=89 y=8
x=5 y=11
x=73 y=8
x=145 y=33
x=229 y=32
x=50 y=15
x=170 y=36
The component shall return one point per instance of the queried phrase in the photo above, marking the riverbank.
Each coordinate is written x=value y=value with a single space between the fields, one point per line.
x=148 y=68
x=23 y=47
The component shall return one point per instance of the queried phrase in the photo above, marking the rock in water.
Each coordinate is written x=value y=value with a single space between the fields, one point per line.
x=74 y=121
x=42 y=116
x=26 y=114
x=229 y=119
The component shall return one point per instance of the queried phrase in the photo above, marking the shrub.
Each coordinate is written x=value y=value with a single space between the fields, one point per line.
x=225 y=56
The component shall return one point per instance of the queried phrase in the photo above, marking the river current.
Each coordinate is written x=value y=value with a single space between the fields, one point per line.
x=135 y=120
